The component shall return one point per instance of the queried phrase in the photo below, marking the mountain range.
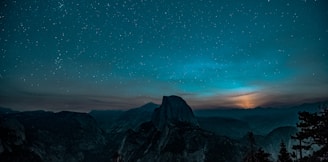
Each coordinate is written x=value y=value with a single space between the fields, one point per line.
x=167 y=132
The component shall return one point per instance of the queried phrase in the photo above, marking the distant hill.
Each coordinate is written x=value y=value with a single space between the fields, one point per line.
x=121 y=121
x=262 y=120
x=233 y=123
x=229 y=127
x=271 y=142
x=6 y=110
x=106 y=118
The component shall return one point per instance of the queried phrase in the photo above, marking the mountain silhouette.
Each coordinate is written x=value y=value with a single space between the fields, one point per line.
x=172 y=110
x=174 y=134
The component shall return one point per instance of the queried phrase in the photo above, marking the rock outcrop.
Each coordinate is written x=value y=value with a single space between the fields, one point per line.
x=173 y=110
x=12 y=134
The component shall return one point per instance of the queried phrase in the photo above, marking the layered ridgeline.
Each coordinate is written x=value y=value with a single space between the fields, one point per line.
x=173 y=134
x=167 y=132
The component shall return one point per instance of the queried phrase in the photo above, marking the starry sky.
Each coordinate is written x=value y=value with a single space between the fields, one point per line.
x=117 y=54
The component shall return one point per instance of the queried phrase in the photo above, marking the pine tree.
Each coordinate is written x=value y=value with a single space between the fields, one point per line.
x=320 y=133
x=250 y=157
x=321 y=129
x=284 y=155
x=258 y=156
x=313 y=129
x=251 y=140
x=261 y=156
x=305 y=125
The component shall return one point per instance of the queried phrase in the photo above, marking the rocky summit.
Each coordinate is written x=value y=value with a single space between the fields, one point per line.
x=173 y=110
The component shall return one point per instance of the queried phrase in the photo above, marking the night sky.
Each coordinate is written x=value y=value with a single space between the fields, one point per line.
x=114 y=54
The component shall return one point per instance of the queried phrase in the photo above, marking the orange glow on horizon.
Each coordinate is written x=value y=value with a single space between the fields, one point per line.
x=245 y=101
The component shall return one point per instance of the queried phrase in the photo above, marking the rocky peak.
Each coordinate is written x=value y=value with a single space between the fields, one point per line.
x=172 y=110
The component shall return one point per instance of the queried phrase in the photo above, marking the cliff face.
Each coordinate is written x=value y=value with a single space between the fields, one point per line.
x=178 y=143
x=173 y=110
x=174 y=135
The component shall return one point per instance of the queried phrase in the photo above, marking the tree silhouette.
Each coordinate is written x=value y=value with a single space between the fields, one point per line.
x=313 y=130
x=305 y=125
x=255 y=156
x=250 y=157
x=320 y=133
x=284 y=155
x=261 y=156
x=258 y=156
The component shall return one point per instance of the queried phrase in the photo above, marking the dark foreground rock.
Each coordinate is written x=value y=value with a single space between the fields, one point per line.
x=47 y=136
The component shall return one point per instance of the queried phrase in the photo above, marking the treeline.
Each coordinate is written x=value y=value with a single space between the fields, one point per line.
x=312 y=139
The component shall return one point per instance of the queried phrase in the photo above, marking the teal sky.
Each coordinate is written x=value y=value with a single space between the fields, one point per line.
x=96 y=54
